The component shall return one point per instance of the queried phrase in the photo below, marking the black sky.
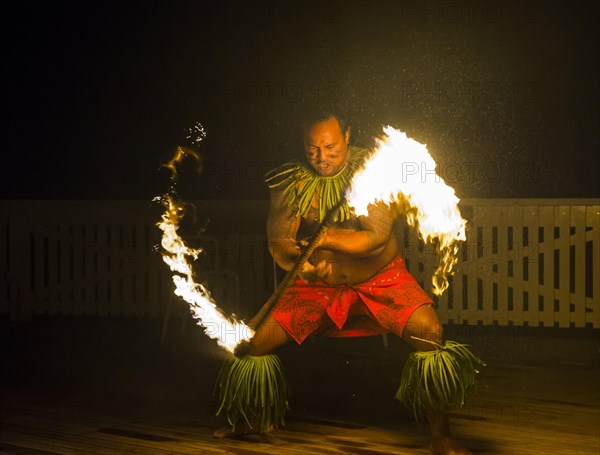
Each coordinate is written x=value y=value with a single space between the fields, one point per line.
x=505 y=94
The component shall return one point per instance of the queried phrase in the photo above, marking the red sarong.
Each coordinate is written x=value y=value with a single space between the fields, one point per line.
x=380 y=305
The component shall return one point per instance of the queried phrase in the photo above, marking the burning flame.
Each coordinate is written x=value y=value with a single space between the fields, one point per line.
x=402 y=171
x=179 y=257
x=178 y=156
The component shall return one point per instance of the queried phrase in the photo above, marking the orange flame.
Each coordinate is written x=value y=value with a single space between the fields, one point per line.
x=178 y=156
x=179 y=257
x=402 y=171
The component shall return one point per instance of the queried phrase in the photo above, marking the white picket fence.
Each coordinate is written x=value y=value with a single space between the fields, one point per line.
x=528 y=262
x=525 y=262
x=100 y=258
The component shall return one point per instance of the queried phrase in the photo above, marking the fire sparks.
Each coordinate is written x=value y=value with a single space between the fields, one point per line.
x=402 y=171
x=227 y=331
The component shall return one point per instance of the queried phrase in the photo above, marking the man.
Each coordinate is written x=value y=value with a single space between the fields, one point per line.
x=354 y=284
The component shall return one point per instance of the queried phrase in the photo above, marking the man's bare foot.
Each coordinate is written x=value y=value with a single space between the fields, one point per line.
x=446 y=445
x=241 y=429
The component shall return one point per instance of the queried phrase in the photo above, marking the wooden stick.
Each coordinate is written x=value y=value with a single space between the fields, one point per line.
x=257 y=320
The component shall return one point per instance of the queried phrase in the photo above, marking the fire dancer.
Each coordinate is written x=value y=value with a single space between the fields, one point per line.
x=354 y=284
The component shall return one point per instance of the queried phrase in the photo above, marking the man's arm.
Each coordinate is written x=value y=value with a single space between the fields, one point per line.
x=282 y=227
x=370 y=240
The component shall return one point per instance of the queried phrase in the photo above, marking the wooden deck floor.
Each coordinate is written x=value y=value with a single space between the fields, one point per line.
x=522 y=408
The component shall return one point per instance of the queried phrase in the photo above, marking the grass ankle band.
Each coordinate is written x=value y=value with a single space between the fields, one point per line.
x=439 y=379
x=253 y=388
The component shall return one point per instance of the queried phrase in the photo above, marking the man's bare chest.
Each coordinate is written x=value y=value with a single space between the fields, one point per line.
x=309 y=224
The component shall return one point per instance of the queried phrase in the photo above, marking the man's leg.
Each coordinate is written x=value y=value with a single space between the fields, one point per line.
x=269 y=336
x=425 y=333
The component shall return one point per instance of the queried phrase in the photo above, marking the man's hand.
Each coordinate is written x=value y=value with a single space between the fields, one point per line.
x=296 y=248
x=311 y=273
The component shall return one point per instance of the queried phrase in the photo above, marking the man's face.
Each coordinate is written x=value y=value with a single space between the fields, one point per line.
x=325 y=147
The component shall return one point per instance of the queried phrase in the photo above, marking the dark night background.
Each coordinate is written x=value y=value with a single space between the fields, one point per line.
x=97 y=95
